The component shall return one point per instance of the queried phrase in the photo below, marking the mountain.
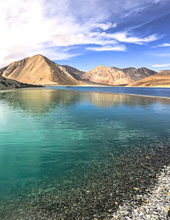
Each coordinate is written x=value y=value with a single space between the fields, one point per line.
x=138 y=74
x=73 y=71
x=161 y=79
x=116 y=76
x=38 y=70
x=106 y=75
x=12 y=84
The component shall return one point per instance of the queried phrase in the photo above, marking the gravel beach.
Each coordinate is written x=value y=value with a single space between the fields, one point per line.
x=119 y=189
x=156 y=205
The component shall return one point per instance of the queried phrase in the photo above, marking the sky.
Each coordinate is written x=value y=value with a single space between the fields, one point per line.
x=87 y=33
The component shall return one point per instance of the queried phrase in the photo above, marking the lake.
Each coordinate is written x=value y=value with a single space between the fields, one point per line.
x=76 y=155
x=146 y=91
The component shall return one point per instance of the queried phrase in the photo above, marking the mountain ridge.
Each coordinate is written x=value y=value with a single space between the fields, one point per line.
x=116 y=76
x=161 y=79
x=39 y=70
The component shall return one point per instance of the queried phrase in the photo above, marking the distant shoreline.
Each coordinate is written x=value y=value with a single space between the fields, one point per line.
x=127 y=94
x=147 y=96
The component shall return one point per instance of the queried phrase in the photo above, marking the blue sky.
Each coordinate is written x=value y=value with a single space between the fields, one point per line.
x=87 y=33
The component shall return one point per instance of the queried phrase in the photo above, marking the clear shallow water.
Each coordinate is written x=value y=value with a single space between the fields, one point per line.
x=52 y=138
x=162 y=92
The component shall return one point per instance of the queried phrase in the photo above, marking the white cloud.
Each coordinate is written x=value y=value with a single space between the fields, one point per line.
x=165 y=45
x=161 y=65
x=31 y=27
x=47 y=27
x=125 y=37
x=100 y=38
x=108 y=48
x=82 y=39
x=162 y=45
x=106 y=26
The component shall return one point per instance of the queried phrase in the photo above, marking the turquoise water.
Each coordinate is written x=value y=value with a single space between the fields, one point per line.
x=51 y=138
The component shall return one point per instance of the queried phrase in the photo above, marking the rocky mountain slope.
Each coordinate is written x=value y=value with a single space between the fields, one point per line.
x=12 y=84
x=106 y=75
x=138 y=74
x=73 y=71
x=161 y=79
x=115 y=76
x=38 y=70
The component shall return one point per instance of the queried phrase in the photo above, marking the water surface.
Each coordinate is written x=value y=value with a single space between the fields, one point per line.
x=60 y=143
x=146 y=91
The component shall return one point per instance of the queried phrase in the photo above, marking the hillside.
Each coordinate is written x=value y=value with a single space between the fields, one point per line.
x=161 y=79
x=73 y=71
x=38 y=70
x=138 y=74
x=12 y=84
x=106 y=75
x=115 y=76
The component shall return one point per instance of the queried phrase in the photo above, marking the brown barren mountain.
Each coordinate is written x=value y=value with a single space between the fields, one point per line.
x=73 y=71
x=138 y=74
x=38 y=70
x=115 y=76
x=107 y=75
x=161 y=79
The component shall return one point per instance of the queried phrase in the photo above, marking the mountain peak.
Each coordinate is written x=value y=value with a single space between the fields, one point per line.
x=116 y=76
x=106 y=75
x=38 y=56
x=38 y=70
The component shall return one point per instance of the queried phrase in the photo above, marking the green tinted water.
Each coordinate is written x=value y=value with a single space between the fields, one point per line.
x=51 y=138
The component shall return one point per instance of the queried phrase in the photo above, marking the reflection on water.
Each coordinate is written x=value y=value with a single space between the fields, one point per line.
x=37 y=100
x=106 y=100
x=51 y=138
x=41 y=101
x=161 y=92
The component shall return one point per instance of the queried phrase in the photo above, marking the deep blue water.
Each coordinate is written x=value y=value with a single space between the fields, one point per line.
x=162 y=92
